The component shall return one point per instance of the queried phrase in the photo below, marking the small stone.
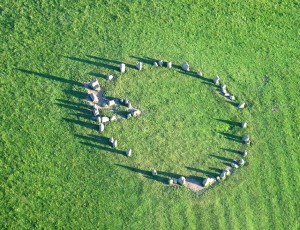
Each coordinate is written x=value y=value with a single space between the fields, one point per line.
x=126 y=101
x=155 y=64
x=246 y=138
x=217 y=80
x=227 y=172
x=139 y=65
x=129 y=105
x=154 y=172
x=182 y=180
x=129 y=115
x=96 y=112
x=223 y=175
x=109 y=77
x=241 y=105
x=169 y=64
x=111 y=140
x=104 y=119
x=128 y=152
x=94 y=84
x=136 y=112
x=111 y=103
x=244 y=124
x=175 y=180
x=122 y=101
x=94 y=98
x=199 y=74
x=160 y=62
x=98 y=119
x=226 y=94
x=185 y=66
x=115 y=144
x=207 y=182
x=113 y=118
x=218 y=178
x=244 y=153
x=232 y=98
x=122 y=68
x=171 y=182
x=235 y=166
x=101 y=127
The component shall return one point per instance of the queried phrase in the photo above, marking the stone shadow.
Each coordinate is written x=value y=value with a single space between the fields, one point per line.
x=232 y=151
x=105 y=60
x=232 y=137
x=234 y=123
x=98 y=64
x=206 y=173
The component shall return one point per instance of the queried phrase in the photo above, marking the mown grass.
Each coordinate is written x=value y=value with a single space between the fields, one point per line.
x=57 y=171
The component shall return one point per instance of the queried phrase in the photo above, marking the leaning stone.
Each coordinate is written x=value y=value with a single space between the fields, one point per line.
x=115 y=144
x=111 y=103
x=160 y=62
x=169 y=64
x=232 y=98
x=128 y=152
x=244 y=153
x=182 y=180
x=122 y=68
x=139 y=65
x=241 y=105
x=94 y=84
x=113 y=118
x=199 y=74
x=185 y=66
x=155 y=64
x=216 y=80
x=104 y=119
x=244 y=124
x=101 y=127
x=96 y=112
x=111 y=140
x=154 y=172
x=94 y=98
x=171 y=182
x=109 y=77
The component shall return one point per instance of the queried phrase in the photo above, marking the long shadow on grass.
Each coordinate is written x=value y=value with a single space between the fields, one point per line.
x=206 y=173
x=112 y=61
x=232 y=137
x=234 y=123
x=232 y=151
x=85 y=124
x=50 y=77
x=103 y=65
x=100 y=147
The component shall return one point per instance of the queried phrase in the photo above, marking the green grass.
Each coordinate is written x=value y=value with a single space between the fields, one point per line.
x=56 y=169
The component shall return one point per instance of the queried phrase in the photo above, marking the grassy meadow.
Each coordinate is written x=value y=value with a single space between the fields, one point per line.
x=58 y=171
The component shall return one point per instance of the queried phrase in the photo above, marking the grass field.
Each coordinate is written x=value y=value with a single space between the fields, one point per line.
x=57 y=170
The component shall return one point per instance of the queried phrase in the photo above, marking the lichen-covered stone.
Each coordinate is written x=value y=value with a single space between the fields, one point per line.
x=185 y=66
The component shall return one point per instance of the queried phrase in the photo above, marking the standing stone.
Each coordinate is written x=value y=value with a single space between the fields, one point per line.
x=154 y=172
x=94 y=98
x=217 y=80
x=113 y=118
x=101 y=127
x=241 y=105
x=244 y=153
x=200 y=74
x=160 y=62
x=171 y=182
x=98 y=119
x=185 y=66
x=232 y=98
x=136 y=112
x=155 y=64
x=223 y=87
x=226 y=94
x=115 y=144
x=169 y=64
x=109 y=77
x=111 y=140
x=227 y=172
x=246 y=139
x=244 y=124
x=218 y=178
x=206 y=182
x=126 y=101
x=235 y=166
x=223 y=175
x=129 y=115
x=94 y=84
x=111 y=103
x=96 y=112
x=139 y=65
x=104 y=119
x=122 y=68
x=128 y=152
x=182 y=180
x=240 y=162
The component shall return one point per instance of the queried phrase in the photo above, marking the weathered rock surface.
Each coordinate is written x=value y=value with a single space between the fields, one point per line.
x=242 y=105
x=94 y=98
x=94 y=84
x=169 y=64
x=101 y=127
x=182 y=180
x=217 y=80
x=185 y=66
x=109 y=77
x=122 y=68
x=160 y=62
x=154 y=172
x=139 y=65
x=129 y=152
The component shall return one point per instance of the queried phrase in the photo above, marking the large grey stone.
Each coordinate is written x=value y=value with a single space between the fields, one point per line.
x=200 y=74
x=240 y=162
x=207 y=182
x=111 y=140
x=122 y=68
x=244 y=153
x=223 y=87
x=246 y=138
x=154 y=172
x=231 y=97
x=223 y=175
x=171 y=182
x=185 y=66
x=111 y=103
x=136 y=112
x=129 y=152
x=98 y=119
x=182 y=180
x=101 y=127
x=113 y=118
x=155 y=64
